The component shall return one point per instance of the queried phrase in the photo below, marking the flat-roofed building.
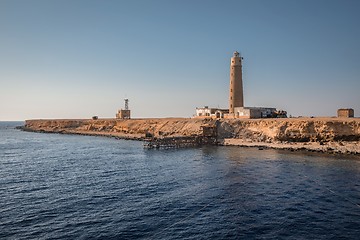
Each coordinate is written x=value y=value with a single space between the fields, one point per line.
x=254 y=112
x=345 y=112
x=207 y=112
x=123 y=114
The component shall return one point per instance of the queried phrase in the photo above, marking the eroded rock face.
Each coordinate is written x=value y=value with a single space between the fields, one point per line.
x=157 y=127
x=256 y=130
x=295 y=130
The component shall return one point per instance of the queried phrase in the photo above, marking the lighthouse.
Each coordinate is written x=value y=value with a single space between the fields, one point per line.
x=236 y=96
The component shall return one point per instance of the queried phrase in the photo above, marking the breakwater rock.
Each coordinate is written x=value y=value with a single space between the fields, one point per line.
x=322 y=134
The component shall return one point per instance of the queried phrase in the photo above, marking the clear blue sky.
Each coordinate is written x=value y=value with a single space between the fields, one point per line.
x=75 y=59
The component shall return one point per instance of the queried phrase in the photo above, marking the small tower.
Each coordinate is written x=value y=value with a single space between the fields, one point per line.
x=124 y=113
x=126 y=104
x=236 y=96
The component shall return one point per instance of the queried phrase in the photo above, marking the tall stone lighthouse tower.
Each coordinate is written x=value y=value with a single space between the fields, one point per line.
x=236 y=87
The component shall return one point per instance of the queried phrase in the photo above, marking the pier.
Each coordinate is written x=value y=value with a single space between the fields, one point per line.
x=178 y=142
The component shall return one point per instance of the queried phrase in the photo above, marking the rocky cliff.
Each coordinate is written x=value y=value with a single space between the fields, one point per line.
x=129 y=128
x=293 y=130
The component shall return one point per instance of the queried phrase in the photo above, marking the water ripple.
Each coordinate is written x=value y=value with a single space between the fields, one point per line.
x=75 y=187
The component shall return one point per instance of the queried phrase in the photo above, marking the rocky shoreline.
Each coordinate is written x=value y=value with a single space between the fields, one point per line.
x=349 y=148
x=327 y=135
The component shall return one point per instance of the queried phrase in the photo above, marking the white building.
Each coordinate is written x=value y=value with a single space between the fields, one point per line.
x=254 y=112
x=211 y=112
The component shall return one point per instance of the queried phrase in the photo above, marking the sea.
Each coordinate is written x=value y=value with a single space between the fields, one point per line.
x=55 y=186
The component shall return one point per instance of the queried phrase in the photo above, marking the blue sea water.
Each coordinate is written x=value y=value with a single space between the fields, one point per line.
x=81 y=187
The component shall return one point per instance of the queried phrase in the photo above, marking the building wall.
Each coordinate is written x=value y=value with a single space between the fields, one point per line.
x=203 y=112
x=123 y=114
x=236 y=98
x=253 y=112
x=348 y=112
x=211 y=112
